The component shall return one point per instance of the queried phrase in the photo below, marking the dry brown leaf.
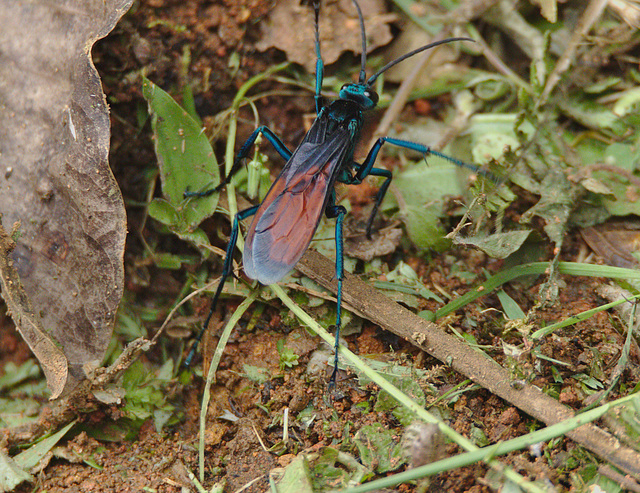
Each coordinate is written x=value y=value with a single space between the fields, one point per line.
x=55 y=178
x=381 y=243
x=290 y=28
x=51 y=357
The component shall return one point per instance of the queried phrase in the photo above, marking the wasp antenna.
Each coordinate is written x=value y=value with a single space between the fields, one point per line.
x=319 y=63
x=363 y=57
x=316 y=9
x=373 y=78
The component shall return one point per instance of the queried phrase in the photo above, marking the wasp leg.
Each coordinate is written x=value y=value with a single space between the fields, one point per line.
x=379 y=196
x=243 y=153
x=414 y=146
x=338 y=212
x=366 y=168
x=226 y=270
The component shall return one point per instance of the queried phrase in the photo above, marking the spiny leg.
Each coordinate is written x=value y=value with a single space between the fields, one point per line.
x=338 y=212
x=379 y=196
x=366 y=168
x=243 y=153
x=226 y=270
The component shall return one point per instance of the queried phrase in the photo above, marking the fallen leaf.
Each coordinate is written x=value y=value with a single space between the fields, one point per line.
x=381 y=243
x=617 y=243
x=43 y=345
x=55 y=177
x=290 y=28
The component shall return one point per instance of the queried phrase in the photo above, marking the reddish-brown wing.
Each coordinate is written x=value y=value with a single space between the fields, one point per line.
x=287 y=219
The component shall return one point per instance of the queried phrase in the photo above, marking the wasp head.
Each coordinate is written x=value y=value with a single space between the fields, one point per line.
x=361 y=94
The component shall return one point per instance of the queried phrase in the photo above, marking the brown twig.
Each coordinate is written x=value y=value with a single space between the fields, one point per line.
x=374 y=306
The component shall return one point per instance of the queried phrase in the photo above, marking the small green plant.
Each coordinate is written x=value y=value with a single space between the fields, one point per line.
x=146 y=398
x=288 y=359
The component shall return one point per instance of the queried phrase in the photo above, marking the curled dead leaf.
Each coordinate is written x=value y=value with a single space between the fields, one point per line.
x=51 y=357
x=56 y=181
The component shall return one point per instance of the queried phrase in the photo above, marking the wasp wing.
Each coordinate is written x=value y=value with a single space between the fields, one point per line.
x=287 y=219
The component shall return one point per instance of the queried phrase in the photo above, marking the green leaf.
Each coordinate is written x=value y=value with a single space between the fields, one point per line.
x=161 y=417
x=602 y=85
x=406 y=284
x=14 y=375
x=623 y=156
x=186 y=161
x=492 y=133
x=166 y=371
x=421 y=192
x=32 y=456
x=161 y=210
x=168 y=261
x=629 y=101
x=296 y=478
x=256 y=374
x=593 y=115
x=378 y=449
x=627 y=418
x=511 y=309
x=11 y=474
x=18 y=412
x=623 y=199
x=325 y=470
x=288 y=359
x=499 y=245
x=492 y=146
x=410 y=387
x=557 y=199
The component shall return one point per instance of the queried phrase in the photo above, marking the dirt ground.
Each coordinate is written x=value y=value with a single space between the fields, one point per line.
x=221 y=36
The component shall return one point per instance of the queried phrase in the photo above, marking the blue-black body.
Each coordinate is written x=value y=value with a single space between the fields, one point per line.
x=285 y=222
